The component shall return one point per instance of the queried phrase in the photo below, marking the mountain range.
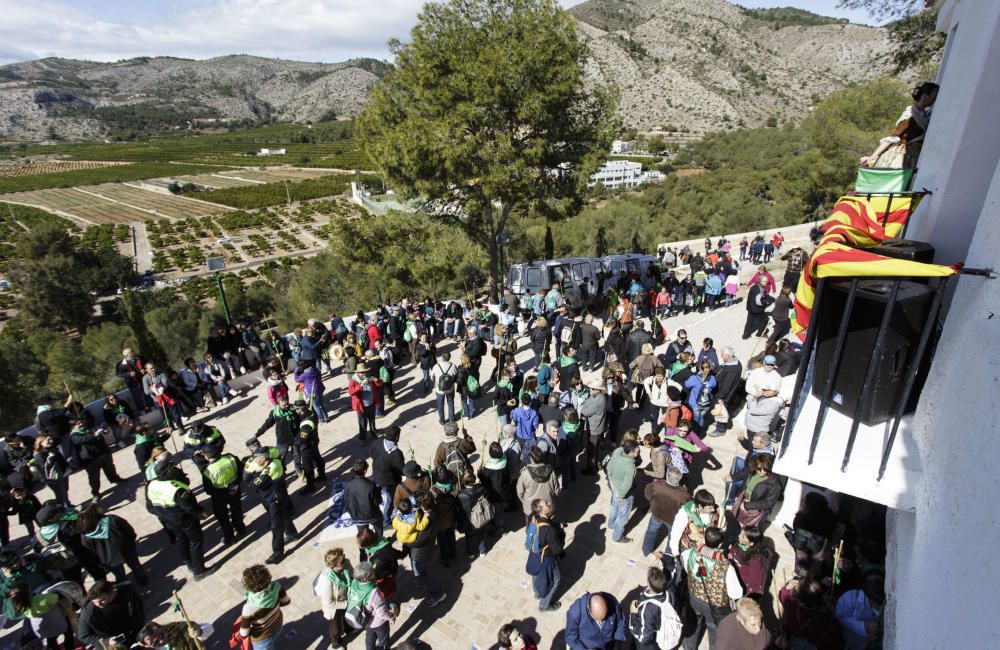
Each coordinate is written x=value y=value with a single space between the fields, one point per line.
x=679 y=65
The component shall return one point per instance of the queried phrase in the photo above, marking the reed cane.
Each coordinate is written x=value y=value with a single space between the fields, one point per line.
x=197 y=641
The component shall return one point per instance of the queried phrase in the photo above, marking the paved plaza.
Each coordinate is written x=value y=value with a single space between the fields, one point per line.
x=483 y=594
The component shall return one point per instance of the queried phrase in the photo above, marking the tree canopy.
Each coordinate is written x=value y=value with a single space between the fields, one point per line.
x=485 y=114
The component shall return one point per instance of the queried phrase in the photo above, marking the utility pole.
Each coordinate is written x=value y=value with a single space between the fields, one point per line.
x=288 y=195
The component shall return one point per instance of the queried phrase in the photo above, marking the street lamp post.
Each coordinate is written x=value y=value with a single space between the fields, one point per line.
x=217 y=264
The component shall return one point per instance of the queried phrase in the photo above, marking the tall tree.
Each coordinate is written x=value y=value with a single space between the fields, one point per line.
x=135 y=316
x=601 y=242
x=485 y=114
x=550 y=245
x=47 y=277
x=912 y=26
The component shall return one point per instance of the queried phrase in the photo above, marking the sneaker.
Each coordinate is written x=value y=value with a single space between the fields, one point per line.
x=275 y=558
x=551 y=608
x=243 y=370
x=225 y=400
x=624 y=540
x=204 y=573
x=434 y=601
x=233 y=393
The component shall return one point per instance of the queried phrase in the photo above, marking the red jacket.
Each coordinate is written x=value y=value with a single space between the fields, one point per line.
x=373 y=333
x=354 y=390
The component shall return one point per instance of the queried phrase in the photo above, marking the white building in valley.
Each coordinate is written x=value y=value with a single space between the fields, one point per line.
x=618 y=173
x=271 y=152
x=621 y=146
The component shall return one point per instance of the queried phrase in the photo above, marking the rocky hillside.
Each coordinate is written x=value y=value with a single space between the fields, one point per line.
x=681 y=65
x=709 y=64
x=81 y=99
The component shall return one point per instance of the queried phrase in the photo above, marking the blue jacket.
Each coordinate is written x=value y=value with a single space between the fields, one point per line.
x=582 y=632
x=526 y=420
x=694 y=384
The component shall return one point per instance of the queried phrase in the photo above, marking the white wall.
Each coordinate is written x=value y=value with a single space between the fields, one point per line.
x=962 y=145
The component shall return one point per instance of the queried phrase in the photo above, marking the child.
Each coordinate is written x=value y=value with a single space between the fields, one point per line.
x=26 y=506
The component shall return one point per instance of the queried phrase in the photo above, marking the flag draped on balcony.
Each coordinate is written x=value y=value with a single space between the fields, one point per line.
x=857 y=223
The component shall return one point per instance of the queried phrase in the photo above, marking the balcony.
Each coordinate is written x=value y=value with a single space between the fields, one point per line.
x=866 y=353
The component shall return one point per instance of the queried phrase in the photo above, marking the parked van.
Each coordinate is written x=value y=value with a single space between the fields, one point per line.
x=581 y=280
x=624 y=265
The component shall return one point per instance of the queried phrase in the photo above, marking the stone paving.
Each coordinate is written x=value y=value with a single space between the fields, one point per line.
x=482 y=595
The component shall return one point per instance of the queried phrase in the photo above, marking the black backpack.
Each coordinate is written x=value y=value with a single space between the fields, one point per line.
x=446 y=380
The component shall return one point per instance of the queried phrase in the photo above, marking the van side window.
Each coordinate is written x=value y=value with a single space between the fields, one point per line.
x=534 y=277
x=581 y=272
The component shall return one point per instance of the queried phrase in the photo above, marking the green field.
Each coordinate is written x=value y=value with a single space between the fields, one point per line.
x=260 y=196
x=326 y=144
x=98 y=175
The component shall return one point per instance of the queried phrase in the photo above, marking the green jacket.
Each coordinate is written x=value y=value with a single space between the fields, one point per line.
x=621 y=472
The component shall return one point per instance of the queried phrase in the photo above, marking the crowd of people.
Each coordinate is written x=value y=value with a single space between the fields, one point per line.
x=613 y=397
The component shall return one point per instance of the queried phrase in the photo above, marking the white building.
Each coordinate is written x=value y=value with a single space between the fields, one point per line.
x=271 y=152
x=618 y=173
x=940 y=480
x=621 y=146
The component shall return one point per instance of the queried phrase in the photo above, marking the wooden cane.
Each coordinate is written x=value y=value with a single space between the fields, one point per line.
x=69 y=394
x=197 y=642
x=836 y=567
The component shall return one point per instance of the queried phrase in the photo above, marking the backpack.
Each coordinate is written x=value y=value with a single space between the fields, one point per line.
x=446 y=380
x=668 y=634
x=536 y=554
x=472 y=385
x=481 y=513
x=455 y=460
x=705 y=396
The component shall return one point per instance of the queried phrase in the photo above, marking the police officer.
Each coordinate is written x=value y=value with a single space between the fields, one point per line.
x=170 y=500
x=199 y=438
x=267 y=477
x=222 y=481
x=307 y=447
x=253 y=444
x=285 y=421
x=175 y=473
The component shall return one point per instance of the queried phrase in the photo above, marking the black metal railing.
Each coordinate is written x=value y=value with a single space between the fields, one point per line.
x=826 y=382
x=914 y=197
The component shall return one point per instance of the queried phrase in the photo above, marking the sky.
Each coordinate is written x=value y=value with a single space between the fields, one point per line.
x=304 y=30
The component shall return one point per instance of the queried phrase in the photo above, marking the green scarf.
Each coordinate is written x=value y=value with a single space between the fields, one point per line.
x=265 y=599
x=699 y=565
x=504 y=383
x=337 y=580
x=444 y=487
x=695 y=516
x=753 y=482
x=570 y=428
x=376 y=547
x=48 y=531
x=359 y=593
x=141 y=439
x=496 y=463
x=101 y=531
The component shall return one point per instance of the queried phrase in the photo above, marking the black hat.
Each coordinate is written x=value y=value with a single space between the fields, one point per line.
x=161 y=468
x=261 y=451
x=300 y=404
x=411 y=469
x=253 y=442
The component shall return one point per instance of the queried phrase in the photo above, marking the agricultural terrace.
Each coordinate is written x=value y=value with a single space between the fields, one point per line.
x=324 y=144
x=111 y=203
x=52 y=167
x=244 y=237
x=96 y=175
x=277 y=193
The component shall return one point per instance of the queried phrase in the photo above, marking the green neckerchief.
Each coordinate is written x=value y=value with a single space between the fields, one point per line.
x=337 y=580
x=695 y=516
x=743 y=547
x=444 y=487
x=570 y=427
x=697 y=560
x=280 y=413
x=48 y=531
x=359 y=593
x=140 y=439
x=496 y=463
x=566 y=361
x=376 y=547
x=504 y=383
x=101 y=531
x=265 y=599
x=753 y=482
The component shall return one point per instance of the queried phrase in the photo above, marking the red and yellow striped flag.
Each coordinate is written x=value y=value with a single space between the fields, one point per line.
x=855 y=223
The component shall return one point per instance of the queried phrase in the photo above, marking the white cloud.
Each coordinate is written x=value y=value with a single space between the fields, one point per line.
x=313 y=30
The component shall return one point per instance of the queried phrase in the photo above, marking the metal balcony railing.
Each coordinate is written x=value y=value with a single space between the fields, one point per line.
x=826 y=382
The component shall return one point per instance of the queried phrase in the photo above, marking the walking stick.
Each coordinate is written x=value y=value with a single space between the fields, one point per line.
x=69 y=394
x=180 y=606
x=836 y=567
